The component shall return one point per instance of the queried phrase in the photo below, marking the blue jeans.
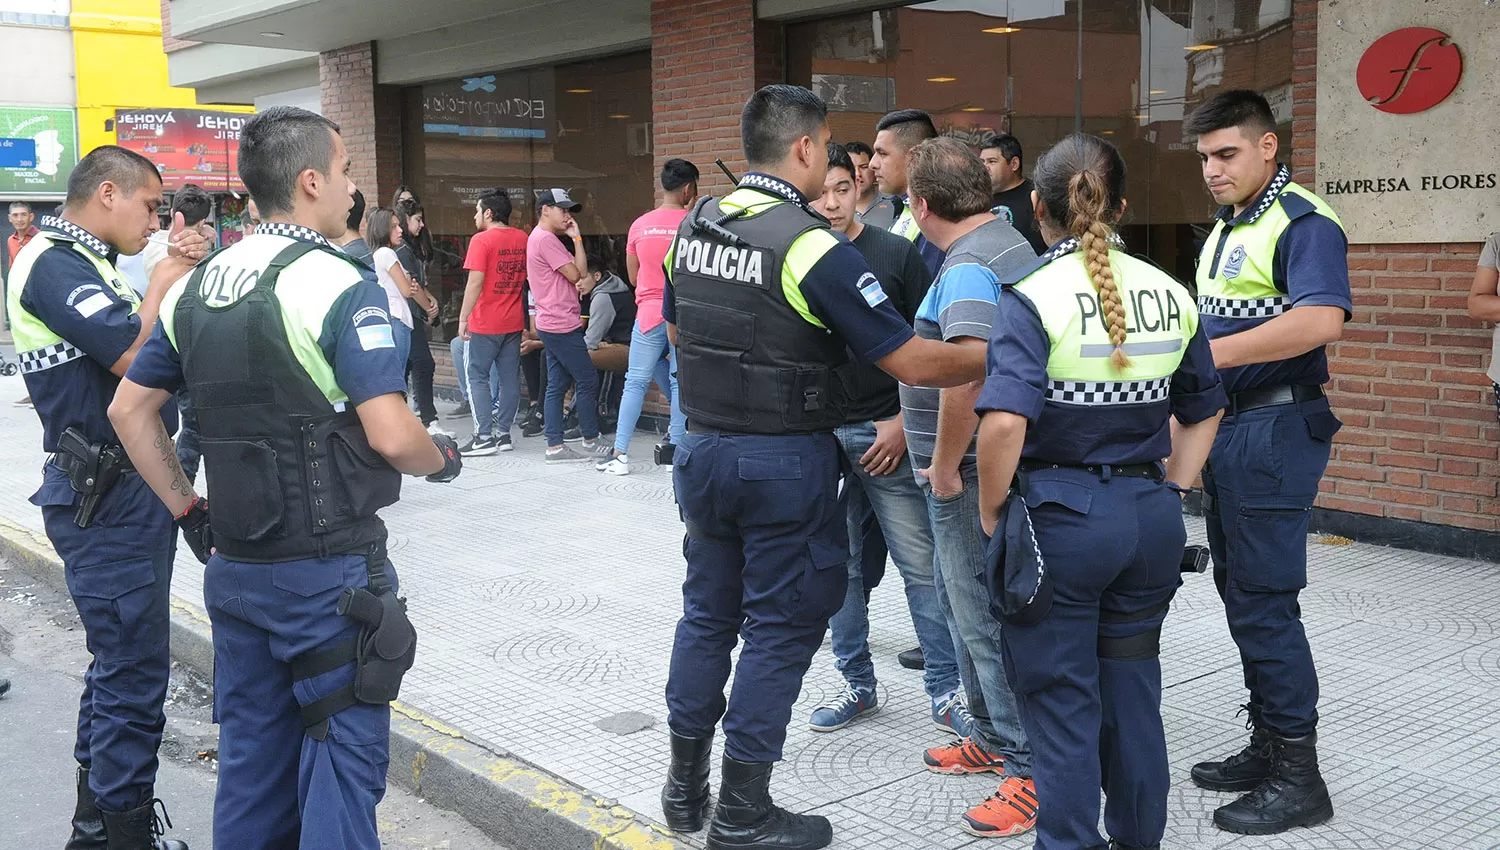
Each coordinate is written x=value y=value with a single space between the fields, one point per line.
x=568 y=361
x=901 y=509
x=652 y=358
x=486 y=355
x=960 y=555
x=461 y=369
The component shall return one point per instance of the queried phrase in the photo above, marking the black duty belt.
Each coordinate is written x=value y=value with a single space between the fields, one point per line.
x=1152 y=471
x=1272 y=396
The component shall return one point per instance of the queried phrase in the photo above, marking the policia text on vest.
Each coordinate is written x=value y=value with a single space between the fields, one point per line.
x=765 y=305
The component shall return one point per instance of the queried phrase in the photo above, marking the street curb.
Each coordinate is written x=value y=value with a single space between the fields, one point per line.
x=514 y=802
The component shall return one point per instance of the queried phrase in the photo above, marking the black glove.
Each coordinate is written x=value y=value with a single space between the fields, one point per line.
x=453 y=462
x=195 y=530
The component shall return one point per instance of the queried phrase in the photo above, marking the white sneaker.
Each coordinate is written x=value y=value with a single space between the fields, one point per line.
x=437 y=430
x=618 y=465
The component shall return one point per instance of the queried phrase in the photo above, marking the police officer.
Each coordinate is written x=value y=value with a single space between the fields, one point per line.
x=78 y=326
x=895 y=134
x=1092 y=353
x=298 y=375
x=764 y=301
x=1273 y=288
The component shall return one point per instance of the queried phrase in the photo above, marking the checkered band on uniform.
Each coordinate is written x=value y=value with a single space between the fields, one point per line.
x=1244 y=308
x=1095 y=393
x=293 y=231
x=46 y=357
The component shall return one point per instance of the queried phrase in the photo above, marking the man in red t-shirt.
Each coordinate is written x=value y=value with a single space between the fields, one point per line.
x=491 y=322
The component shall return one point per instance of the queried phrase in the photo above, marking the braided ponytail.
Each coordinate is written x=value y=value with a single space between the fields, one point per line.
x=1080 y=182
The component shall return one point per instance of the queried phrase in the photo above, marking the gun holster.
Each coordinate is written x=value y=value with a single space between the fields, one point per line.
x=93 y=469
x=382 y=652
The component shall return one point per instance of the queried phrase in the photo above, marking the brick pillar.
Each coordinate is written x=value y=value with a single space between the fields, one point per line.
x=369 y=116
x=1420 y=438
x=707 y=58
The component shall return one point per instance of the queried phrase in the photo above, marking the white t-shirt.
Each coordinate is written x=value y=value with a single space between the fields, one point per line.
x=1489 y=258
x=385 y=258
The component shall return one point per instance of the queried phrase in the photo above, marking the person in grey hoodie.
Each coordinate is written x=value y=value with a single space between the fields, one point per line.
x=611 y=309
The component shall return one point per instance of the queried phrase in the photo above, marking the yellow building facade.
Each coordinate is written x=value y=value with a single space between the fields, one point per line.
x=120 y=64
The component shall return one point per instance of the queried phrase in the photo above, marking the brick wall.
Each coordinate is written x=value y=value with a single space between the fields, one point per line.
x=701 y=50
x=369 y=116
x=168 y=42
x=1420 y=435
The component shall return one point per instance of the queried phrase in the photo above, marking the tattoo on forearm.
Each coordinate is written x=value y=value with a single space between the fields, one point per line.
x=163 y=443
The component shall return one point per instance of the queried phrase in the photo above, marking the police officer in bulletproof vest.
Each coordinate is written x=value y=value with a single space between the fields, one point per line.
x=1273 y=291
x=298 y=373
x=78 y=325
x=764 y=302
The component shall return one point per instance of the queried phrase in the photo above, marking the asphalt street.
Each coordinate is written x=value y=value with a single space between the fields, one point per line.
x=42 y=653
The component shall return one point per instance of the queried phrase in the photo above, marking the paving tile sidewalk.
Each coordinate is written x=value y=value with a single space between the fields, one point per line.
x=546 y=599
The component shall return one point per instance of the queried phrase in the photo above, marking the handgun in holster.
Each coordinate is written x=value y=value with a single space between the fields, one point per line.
x=93 y=469
x=382 y=652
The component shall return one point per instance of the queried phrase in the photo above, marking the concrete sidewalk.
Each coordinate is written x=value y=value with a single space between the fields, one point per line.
x=546 y=599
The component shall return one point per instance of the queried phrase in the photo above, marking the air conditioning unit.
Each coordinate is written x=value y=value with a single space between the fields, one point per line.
x=638 y=139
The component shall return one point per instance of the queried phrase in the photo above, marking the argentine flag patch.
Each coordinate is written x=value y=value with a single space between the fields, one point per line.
x=377 y=334
x=869 y=287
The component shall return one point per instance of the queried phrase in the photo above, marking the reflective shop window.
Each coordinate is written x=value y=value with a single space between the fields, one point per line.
x=584 y=127
x=1014 y=66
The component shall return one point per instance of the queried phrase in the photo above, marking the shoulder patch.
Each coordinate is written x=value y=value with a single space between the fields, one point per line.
x=869 y=287
x=373 y=326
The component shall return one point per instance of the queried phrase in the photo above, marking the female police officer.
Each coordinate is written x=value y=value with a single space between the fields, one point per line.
x=1107 y=525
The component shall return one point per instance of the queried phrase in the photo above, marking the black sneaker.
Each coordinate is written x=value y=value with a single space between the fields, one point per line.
x=480 y=446
x=502 y=443
x=572 y=435
x=463 y=409
x=532 y=429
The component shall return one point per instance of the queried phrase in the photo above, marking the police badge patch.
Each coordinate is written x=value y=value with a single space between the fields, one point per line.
x=1234 y=263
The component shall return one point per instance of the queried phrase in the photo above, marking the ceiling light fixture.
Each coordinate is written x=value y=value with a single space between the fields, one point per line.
x=619 y=116
x=973 y=109
x=579 y=91
x=1197 y=48
x=273 y=35
x=941 y=79
x=1002 y=30
x=1158 y=91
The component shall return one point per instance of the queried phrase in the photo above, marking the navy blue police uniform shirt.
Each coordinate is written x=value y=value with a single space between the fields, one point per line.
x=837 y=290
x=366 y=359
x=1078 y=434
x=67 y=293
x=1311 y=266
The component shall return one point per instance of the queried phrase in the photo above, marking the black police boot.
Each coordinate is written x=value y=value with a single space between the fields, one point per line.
x=912 y=659
x=88 y=824
x=684 y=799
x=1115 y=845
x=746 y=819
x=1246 y=769
x=1294 y=796
x=139 y=829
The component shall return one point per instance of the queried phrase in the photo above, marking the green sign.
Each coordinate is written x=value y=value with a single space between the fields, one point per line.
x=55 y=132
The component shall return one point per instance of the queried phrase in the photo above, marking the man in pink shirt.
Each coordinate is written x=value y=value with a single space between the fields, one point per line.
x=651 y=356
x=552 y=272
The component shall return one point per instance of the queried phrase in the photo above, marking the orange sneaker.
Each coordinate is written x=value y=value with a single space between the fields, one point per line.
x=1011 y=810
x=963 y=756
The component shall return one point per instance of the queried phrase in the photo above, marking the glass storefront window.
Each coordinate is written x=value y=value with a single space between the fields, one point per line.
x=1013 y=66
x=584 y=127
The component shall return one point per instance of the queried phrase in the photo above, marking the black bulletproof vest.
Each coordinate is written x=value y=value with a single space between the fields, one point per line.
x=620 y=329
x=747 y=361
x=289 y=476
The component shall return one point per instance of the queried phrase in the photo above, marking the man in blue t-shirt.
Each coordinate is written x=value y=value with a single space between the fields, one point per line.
x=950 y=192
